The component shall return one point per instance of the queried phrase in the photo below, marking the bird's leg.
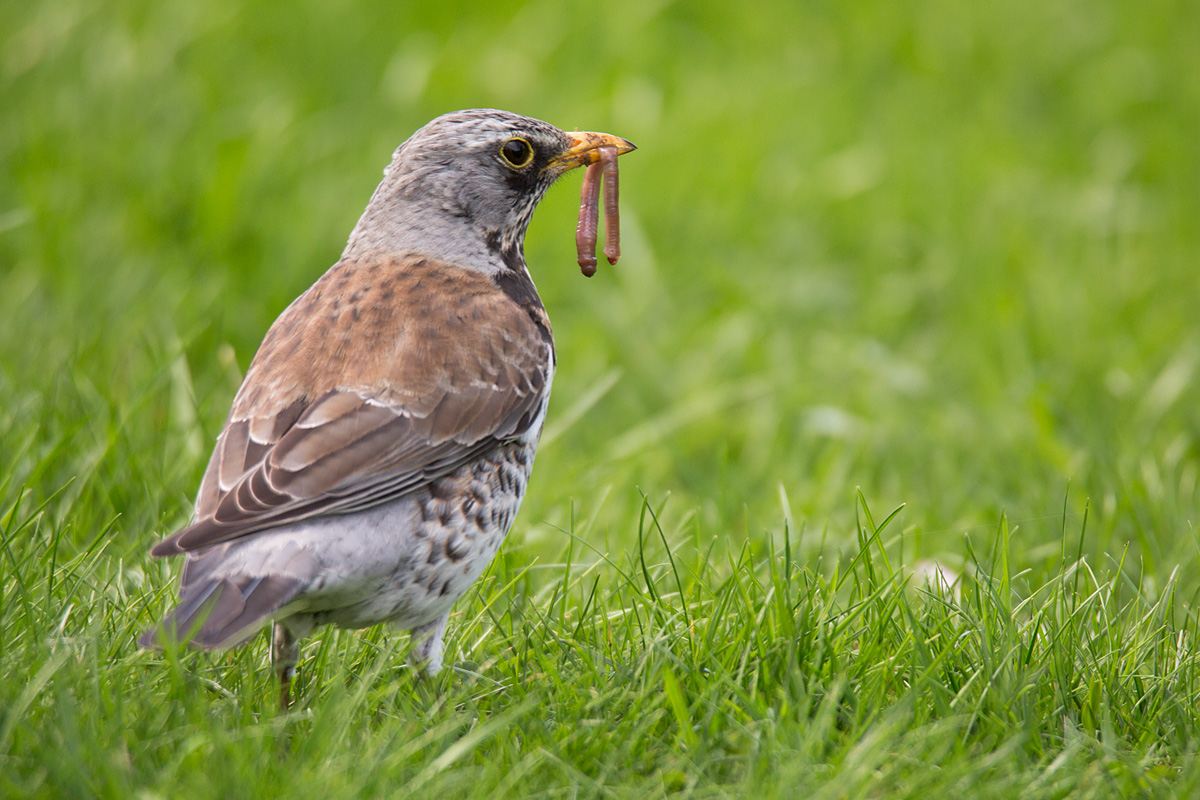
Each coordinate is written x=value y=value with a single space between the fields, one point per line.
x=426 y=650
x=285 y=654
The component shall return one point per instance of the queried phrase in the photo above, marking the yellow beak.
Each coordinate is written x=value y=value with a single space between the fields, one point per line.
x=584 y=147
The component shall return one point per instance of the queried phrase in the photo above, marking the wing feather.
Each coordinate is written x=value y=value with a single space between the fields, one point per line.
x=330 y=420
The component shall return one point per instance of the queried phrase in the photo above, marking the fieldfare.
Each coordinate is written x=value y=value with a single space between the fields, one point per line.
x=381 y=442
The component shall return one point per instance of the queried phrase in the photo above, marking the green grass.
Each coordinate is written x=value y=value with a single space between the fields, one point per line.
x=919 y=256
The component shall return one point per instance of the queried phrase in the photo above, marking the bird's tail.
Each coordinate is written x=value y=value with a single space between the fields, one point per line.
x=217 y=614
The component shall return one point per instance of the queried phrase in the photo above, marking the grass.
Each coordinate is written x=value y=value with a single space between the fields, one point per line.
x=878 y=256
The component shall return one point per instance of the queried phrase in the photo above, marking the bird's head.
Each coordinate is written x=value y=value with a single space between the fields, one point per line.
x=471 y=180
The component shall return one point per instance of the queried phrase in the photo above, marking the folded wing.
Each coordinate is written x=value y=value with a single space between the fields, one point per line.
x=449 y=368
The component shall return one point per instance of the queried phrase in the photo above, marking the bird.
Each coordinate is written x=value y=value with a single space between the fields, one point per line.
x=380 y=444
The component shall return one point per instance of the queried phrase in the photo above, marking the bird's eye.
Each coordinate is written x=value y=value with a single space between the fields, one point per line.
x=517 y=152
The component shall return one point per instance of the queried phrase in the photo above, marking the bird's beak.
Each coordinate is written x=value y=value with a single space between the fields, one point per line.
x=584 y=150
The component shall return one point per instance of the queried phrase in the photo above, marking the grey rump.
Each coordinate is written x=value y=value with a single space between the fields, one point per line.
x=380 y=445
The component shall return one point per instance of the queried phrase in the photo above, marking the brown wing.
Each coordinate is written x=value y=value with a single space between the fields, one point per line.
x=383 y=376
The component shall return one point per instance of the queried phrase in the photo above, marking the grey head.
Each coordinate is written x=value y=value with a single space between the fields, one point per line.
x=463 y=188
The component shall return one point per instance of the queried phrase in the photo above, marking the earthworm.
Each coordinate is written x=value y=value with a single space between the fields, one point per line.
x=589 y=220
x=612 y=214
x=586 y=232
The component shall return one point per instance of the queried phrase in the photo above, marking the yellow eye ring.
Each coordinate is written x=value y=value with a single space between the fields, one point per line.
x=517 y=152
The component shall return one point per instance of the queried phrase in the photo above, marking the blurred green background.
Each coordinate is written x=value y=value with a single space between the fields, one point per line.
x=944 y=252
